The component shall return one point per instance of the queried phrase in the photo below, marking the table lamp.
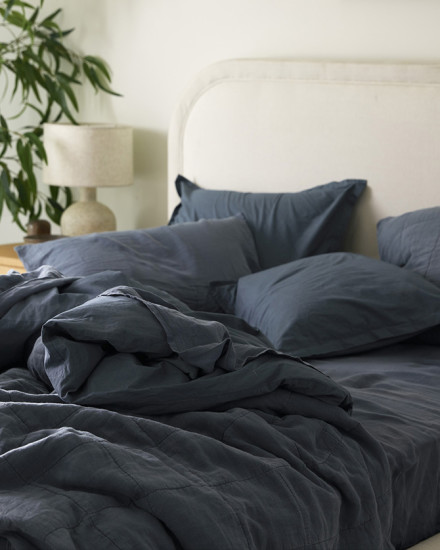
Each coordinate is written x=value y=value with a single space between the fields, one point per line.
x=88 y=156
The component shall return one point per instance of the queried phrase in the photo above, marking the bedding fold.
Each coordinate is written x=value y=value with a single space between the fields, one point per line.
x=141 y=424
x=125 y=352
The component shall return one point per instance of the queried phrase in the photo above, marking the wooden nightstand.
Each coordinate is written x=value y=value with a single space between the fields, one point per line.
x=9 y=259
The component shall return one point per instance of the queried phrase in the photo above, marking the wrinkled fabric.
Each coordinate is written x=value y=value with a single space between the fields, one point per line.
x=139 y=424
x=396 y=397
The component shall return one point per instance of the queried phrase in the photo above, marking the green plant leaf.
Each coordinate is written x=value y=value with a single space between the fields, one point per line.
x=24 y=194
x=39 y=61
x=67 y=89
x=50 y=17
x=5 y=136
x=33 y=17
x=54 y=192
x=2 y=200
x=100 y=64
x=42 y=73
x=54 y=210
x=4 y=175
x=38 y=144
x=97 y=79
x=4 y=185
x=36 y=210
x=15 y=18
x=35 y=108
x=24 y=152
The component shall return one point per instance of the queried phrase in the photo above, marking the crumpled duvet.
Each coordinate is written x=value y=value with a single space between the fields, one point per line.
x=141 y=424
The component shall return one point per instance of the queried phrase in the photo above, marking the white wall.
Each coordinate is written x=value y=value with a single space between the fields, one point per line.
x=155 y=46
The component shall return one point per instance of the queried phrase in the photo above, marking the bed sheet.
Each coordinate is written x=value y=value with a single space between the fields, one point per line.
x=396 y=398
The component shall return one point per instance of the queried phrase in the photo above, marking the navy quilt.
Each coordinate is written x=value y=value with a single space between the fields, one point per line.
x=128 y=421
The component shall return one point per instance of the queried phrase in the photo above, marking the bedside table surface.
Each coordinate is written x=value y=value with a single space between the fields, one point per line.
x=9 y=259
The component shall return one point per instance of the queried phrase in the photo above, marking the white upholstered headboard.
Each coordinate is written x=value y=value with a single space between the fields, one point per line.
x=285 y=125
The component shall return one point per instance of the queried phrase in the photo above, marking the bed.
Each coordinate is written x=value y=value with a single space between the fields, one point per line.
x=263 y=372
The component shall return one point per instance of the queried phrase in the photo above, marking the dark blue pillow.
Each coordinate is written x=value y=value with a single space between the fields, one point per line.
x=286 y=226
x=336 y=304
x=412 y=240
x=181 y=259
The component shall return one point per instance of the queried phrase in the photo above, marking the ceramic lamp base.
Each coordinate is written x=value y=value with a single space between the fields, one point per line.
x=87 y=216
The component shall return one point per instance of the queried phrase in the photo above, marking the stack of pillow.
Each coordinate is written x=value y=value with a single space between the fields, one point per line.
x=275 y=260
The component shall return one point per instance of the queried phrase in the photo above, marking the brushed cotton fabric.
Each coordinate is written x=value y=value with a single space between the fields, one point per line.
x=412 y=241
x=335 y=304
x=285 y=226
x=182 y=259
x=136 y=423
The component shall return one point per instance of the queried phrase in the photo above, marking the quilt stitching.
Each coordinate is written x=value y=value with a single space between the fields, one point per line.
x=63 y=494
x=11 y=408
x=239 y=520
x=362 y=463
x=262 y=472
x=14 y=412
x=87 y=516
x=69 y=416
x=234 y=481
x=344 y=530
x=324 y=429
x=220 y=495
x=35 y=480
x=82 y=444
x=233 y=421
x=177 y=466
x=110 y=455
x=200 y=481
x=174 y=430
x=306 y=528
x=273 y=421
x=317 y=462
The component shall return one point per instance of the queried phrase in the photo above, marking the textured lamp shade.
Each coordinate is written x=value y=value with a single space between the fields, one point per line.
x=88 y=156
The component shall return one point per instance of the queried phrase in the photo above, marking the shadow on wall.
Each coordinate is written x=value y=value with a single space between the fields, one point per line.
x=150 y=179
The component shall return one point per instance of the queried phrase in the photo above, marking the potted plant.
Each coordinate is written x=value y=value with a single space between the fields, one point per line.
x=39 y=75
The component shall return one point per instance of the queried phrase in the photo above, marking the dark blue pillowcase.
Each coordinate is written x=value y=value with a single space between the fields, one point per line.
x=335 y=304
x=412 y=240
x=286 y=226
x=181 y=259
